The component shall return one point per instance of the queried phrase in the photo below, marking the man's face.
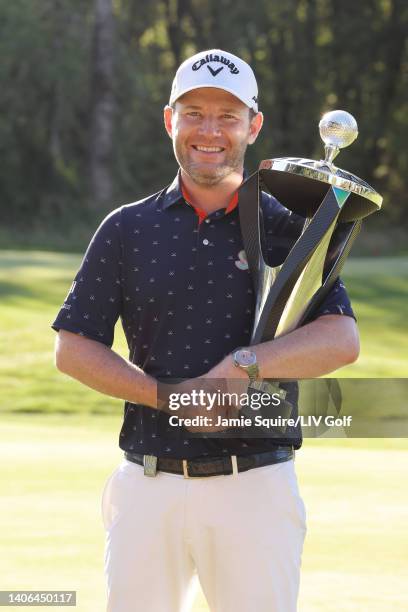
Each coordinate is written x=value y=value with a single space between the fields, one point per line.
x=211 y=130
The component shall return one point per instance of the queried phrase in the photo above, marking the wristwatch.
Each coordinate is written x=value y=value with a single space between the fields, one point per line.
x=246 y=360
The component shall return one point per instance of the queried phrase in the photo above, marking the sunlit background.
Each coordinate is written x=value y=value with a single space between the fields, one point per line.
x=83 y=87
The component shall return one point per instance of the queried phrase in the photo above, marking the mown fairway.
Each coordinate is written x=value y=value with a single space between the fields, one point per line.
x=33 y=285
x=59 y=444
x=54 y=468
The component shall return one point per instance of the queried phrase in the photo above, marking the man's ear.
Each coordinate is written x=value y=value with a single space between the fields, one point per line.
x=168 y=120
x=255 y=127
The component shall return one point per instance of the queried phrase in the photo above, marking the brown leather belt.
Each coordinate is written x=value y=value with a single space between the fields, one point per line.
x=210 y=466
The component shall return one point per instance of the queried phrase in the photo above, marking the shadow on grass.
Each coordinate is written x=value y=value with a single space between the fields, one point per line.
x=38 y=259
x=54 y=294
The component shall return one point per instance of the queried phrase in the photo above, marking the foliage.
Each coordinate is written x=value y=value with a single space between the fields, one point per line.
x=309 y=56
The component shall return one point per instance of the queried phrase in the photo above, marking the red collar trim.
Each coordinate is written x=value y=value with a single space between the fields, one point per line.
x=201 y=214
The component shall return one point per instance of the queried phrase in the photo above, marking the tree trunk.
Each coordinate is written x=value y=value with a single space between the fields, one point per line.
x=175 y=12
x=102 y=109
x=395 y=40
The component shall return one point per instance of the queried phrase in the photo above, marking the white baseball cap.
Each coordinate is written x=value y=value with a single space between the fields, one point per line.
x=220 y=69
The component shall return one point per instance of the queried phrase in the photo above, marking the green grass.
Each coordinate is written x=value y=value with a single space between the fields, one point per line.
x=32 y=288
x=59 y=444
x=54 y=468
x=379 y=291
x=33 y=285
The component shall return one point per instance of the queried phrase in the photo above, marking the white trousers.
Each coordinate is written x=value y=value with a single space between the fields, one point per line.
x=241 y=534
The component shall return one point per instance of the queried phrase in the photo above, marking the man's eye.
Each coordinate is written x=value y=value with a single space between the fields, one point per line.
x=227 y=116
x=193 y=114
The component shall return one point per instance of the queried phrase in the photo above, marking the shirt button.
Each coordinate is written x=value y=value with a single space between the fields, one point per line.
x=205 y=241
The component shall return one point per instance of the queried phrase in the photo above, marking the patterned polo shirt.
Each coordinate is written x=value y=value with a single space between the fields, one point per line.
x=181 y=286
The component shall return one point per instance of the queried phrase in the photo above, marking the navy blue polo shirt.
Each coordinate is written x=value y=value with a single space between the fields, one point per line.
x=181 y=286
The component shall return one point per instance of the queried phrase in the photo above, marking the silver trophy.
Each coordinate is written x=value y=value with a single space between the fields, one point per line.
x=332 y=203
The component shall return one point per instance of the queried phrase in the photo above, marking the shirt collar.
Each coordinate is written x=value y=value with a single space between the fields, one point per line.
x=174 y=194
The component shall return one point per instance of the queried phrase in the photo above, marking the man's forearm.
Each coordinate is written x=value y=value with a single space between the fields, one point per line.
x=100 y=368
x=313 y=350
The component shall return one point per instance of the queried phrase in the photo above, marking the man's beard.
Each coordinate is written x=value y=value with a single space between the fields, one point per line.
x=209 y=175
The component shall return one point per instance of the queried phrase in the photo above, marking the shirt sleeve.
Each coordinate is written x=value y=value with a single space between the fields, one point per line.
x=94 y=301
x=337 y=302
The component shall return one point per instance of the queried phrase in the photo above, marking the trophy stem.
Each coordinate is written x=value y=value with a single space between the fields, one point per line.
x=331 y=152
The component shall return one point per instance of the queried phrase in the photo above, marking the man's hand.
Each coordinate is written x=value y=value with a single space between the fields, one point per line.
x=204 y=394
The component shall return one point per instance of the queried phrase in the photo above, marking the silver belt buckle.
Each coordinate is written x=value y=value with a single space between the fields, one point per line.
x=185 y=468
x=150 y=465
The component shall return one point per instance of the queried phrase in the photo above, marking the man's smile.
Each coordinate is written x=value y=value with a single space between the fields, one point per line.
x=206 y=149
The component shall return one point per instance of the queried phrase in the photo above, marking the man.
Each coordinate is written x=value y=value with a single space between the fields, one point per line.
x=172 y=267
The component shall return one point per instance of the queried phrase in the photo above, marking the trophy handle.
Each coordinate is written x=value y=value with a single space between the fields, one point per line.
x=284 y=292
x=350 y=233
x=250 y=227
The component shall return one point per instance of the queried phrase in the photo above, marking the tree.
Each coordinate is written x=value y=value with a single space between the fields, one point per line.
x=102 y=105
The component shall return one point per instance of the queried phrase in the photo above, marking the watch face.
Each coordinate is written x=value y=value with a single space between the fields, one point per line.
x=245 y=357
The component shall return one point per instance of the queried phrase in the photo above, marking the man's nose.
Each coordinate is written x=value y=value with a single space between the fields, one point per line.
x=209 y=125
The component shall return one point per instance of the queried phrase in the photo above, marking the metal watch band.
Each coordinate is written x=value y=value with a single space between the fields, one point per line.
x=253 y=372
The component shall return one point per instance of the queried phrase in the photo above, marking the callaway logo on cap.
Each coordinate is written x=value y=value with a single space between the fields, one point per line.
x=220 y=69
